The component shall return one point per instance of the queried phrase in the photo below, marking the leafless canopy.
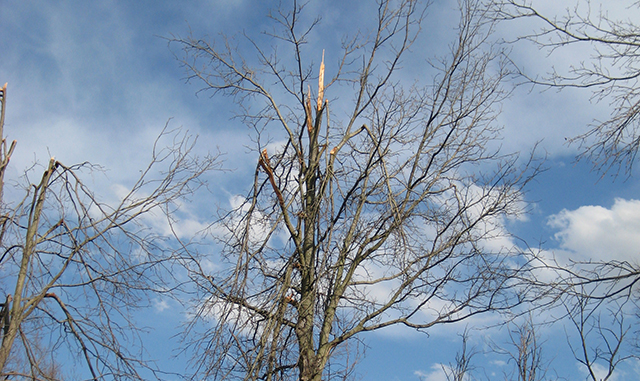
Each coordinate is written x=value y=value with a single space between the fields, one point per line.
x=380 y=211
x=600 y=335
x=73 y=268
x=597 y=302
x=612 y=72
x=598 y=296
x=524 y=351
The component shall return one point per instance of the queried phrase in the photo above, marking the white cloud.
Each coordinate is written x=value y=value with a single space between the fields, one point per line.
x=499 y=363
x=261 y=224
x=435 y=374
x=595 y=232
x=600 y=372
x=438 y=372
x=160 y=305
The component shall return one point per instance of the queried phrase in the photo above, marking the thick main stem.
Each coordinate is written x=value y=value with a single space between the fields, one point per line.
x=17 y=312
x=309 y=366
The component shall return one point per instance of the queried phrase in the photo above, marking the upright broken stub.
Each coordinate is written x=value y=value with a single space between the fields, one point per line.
x=4 y=153
x=3 y=102
x=307 y=104
x=264 y=160
x=321 y=83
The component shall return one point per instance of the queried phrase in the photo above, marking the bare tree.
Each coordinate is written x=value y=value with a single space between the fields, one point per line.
x=598 y=304
x=74 y=268
x=595 y=294
x=603 y=331
x=525 y=350
x=374 y=215
x=462 y=369
x=612 y=72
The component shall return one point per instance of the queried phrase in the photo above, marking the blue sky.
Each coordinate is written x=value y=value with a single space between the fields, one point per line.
x=96 y=81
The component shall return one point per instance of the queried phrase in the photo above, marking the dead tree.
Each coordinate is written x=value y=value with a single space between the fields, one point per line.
x=361 y=219
x=74 y=268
